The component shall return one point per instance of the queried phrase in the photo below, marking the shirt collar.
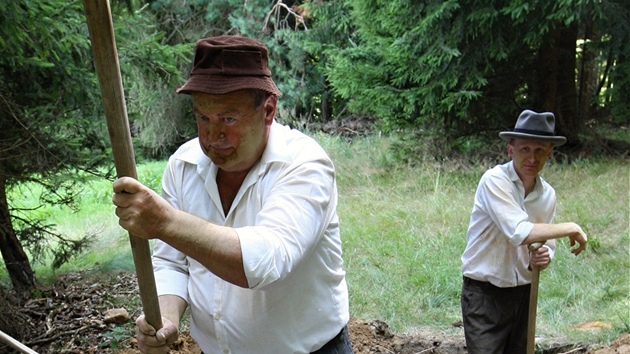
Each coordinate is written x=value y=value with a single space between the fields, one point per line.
x=512 y=172
x=193 y=154
x=277 y=149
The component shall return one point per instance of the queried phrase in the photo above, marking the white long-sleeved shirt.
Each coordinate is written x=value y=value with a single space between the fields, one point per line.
x=502 y=217
x=285 y=217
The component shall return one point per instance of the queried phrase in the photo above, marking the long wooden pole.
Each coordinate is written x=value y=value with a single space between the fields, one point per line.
x=13 y=343
x=101 y=29
x=533 y=303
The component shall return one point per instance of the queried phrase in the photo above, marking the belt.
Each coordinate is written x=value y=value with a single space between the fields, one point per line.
x=484 y=285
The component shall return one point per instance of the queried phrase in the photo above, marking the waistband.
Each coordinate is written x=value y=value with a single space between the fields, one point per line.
x=487 y=286
x=337 y=344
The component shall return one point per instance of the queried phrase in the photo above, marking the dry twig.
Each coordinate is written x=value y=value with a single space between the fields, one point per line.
x=576 y=350
x=282 y=23
x=426 y=350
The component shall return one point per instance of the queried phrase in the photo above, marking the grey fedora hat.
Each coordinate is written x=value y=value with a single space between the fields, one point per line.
x=537 y=126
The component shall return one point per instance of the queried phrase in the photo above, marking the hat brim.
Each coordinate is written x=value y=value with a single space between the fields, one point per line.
x=555 y=140
x=221 y=85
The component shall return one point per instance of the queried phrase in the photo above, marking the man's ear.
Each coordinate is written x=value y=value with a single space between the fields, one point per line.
x=510 y=149
x=270 y=108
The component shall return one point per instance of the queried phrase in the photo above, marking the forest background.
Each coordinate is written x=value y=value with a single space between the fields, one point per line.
x=439 y=78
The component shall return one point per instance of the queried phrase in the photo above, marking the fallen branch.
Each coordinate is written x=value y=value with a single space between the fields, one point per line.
x=426 y=350
x=385 y=349
x=49 y=321
x=576 y=350
x=63 y=334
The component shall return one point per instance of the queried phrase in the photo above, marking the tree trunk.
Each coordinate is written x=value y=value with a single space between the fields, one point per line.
x=587 y=74
x=546 y=73
x=569 y=120
x=15 y=259
x=555 y=88
x=326 y=104
x=325 y=107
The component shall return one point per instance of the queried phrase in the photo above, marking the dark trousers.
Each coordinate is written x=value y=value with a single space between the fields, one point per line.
x=495 y=319
x=339 y=345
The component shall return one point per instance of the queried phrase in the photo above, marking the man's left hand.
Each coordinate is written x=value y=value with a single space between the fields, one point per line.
x=540 y=257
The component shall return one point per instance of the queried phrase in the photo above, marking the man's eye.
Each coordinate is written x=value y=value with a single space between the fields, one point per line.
x=229 y=120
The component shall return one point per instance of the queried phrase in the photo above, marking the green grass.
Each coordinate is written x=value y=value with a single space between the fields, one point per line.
x=403 y=231
x=94 y=215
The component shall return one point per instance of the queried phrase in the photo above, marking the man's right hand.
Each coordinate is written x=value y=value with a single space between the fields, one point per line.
x=152 y=342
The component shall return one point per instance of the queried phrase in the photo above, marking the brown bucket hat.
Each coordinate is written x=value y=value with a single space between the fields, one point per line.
x=225 y=64
x=537 y=126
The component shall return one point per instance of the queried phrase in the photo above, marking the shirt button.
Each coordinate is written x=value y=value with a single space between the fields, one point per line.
x=226 y=351
x=217 y=316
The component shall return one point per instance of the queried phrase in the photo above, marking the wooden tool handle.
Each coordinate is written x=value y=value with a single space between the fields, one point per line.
x=13 y=343
x=100 y=27
x=533 y=302
x=535 y=245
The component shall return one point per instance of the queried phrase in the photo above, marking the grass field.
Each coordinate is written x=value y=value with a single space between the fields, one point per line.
x=403 y=231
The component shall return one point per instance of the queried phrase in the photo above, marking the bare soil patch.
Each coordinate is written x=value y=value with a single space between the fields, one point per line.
x=69 y=317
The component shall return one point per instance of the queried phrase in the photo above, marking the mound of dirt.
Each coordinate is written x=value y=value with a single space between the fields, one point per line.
x=72 y=316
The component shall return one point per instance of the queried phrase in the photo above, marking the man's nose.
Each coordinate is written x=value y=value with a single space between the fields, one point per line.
x=214 y=132
x=216 y=135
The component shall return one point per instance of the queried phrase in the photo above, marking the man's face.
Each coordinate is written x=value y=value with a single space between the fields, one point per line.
x=529 y=156
x=232 y=131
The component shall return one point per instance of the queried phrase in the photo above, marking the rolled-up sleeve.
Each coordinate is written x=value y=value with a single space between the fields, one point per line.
x=291 y=222
x=170 y=266
x=171 y=271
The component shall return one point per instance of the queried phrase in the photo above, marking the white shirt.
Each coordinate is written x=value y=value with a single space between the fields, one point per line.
x=285 y=217
x=502 y=217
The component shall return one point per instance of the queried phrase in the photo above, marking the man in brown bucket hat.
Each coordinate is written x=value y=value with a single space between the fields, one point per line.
x=246 y=230
x=513 y=208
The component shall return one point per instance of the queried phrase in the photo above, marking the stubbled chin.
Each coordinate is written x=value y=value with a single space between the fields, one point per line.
x=531 y=170
x=527 y=170
x=220 y=159
x=219 y=156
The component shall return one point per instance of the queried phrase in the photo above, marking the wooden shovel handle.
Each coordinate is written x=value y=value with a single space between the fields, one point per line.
x=534 y=246
x=101 y=29
x=533 y=303
x=13 y=343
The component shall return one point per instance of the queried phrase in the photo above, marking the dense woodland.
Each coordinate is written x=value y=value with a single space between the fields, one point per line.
x=444 y=76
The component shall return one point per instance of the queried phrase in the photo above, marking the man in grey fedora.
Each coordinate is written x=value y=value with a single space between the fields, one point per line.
x=513 y=208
